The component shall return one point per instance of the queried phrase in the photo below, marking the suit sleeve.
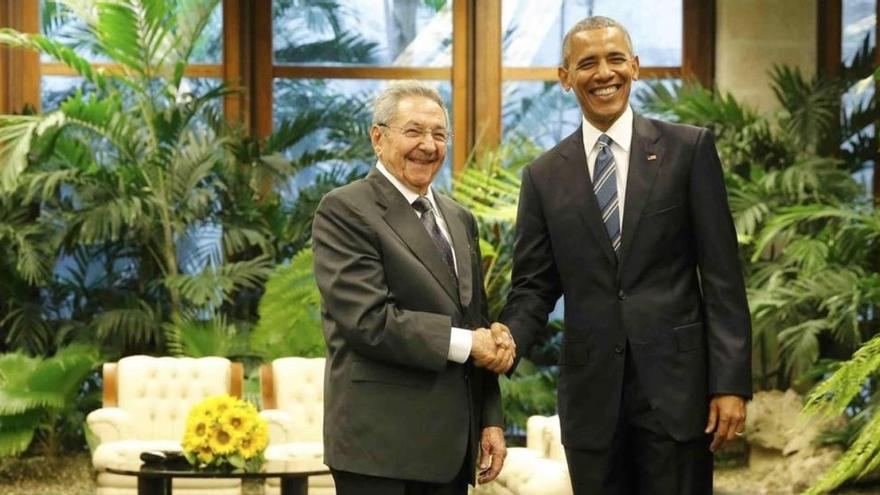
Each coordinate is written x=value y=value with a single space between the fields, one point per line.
x=350 y=275
x=535 y=284
x=725 y=308
x=492 y=414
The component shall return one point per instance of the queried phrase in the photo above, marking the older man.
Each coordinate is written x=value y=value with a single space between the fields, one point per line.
x=628 y=219
x=410 y=388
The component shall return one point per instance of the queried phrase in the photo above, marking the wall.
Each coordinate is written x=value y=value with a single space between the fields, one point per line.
x=753 y=35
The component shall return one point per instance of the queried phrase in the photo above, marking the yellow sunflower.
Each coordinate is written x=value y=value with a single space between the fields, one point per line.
x=260 y=434
x=192 y=442
x=205 y=454
x=249 y=448
x=222 y=442
x=238 y=421
x=220 y=403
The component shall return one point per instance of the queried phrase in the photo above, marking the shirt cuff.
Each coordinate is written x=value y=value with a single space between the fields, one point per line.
x=460 y=342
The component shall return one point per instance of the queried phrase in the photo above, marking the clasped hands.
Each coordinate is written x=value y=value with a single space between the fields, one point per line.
x=493 y=348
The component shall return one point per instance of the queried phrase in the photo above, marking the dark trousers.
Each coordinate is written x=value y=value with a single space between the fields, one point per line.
x=362 y=484
x=348 y=483
x=642 y=459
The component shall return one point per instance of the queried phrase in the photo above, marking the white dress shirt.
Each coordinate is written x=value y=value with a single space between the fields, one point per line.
x=620 y=132
x=460 y=339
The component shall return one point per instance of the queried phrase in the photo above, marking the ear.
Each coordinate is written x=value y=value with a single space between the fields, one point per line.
x=376 y=140
x=635 y=63
x=562 y=74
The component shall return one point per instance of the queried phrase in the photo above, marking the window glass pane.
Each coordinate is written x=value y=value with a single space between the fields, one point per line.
x=59 y=23
x=346 y=113
x=55 y=89
x=413 y=33
x=533 y=31
x=543 y=112
x=859 y=21
x=859 y=38
x=209 y=48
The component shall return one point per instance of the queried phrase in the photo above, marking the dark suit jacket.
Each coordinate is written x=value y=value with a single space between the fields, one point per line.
x=393 y=405
x=676 y=294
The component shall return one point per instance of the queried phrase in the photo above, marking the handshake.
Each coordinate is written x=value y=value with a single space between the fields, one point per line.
x=493 y=348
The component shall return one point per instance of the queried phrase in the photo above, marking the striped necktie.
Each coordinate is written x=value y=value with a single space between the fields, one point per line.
x=605 y=188
x=423 y=206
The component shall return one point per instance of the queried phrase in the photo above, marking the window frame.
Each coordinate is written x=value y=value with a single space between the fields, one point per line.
x=476 y=75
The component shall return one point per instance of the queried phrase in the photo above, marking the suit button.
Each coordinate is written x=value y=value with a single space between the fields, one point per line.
x=621 y=295
x=618 y=349
x=653 y=406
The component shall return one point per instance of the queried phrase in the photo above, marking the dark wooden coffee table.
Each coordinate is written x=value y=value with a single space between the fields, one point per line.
x=155 y=479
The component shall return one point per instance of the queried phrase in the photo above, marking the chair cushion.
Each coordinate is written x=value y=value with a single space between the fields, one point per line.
x=159 y=392
x=125 y=454
x=299 y=391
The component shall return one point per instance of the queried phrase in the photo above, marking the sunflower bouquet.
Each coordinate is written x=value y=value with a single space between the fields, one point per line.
x=225 y=431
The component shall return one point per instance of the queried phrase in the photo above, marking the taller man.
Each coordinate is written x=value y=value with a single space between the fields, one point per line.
x=409 y=388
x=627 y=218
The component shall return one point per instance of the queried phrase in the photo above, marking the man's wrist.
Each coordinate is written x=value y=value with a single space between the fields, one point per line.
x=460 y=345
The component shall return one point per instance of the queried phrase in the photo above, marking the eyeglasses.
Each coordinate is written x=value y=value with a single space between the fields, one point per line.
x=415 y=132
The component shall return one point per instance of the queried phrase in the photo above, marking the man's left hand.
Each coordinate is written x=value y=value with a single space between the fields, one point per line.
x=727 y=418
x=492 y=453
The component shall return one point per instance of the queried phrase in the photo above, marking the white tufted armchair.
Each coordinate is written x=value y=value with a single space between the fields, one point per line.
x=146 y=402
x=539 y=468
x=293 y=404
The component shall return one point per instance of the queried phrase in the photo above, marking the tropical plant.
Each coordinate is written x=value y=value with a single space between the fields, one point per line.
x=145 y=214
x=290 y=313
x=852 y=387
x=789 y=201
x=489 y=188
x=38 y=394
x=833 y=397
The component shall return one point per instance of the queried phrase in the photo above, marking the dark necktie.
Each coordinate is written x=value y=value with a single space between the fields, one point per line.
x=605 y=187
x=429 y=221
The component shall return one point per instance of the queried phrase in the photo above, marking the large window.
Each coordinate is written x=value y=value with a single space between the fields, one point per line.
x=56 y=80
x=333 y=58
x=493 y=60
x=533 y=103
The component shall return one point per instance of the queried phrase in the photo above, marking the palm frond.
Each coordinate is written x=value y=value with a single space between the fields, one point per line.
x=811 y=107
x=136 y=323
x=17 y=431
x=213 y=285
x=290 y=314
x=16 y=133
x=201 y=338
x=59 y=52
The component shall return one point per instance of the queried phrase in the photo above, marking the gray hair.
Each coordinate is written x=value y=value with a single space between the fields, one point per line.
x=589 y=24
x=385 y=104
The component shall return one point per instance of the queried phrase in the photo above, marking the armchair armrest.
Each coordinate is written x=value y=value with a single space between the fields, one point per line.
x=280 y=425
x=110 y=424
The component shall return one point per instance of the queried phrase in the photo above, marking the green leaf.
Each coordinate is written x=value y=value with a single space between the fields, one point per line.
x=290 y=312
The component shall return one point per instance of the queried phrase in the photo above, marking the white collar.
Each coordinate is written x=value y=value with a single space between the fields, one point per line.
x=620 y=132
x=408 y=193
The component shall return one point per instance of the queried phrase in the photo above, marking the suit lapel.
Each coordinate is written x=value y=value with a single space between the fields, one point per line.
x=640 y=178
x=461 y=243
x=576 y=179
x=400 y=216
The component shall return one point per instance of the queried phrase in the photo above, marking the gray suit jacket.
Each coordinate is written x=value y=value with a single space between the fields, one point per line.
x=394 y=406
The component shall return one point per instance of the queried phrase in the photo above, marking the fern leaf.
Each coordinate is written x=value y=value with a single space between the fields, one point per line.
x=858 y=460
x=834 y=394
x=290 y=315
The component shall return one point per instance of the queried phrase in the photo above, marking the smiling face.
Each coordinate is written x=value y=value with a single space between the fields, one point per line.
x=415 y=161
x=600 y=69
